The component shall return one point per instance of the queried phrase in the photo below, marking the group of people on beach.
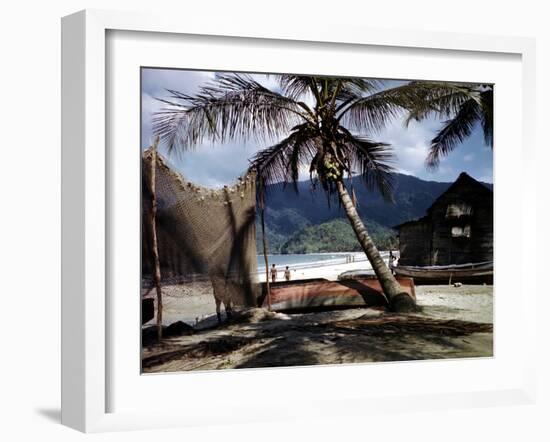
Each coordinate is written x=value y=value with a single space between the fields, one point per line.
x=274 y=272
x=350 y=258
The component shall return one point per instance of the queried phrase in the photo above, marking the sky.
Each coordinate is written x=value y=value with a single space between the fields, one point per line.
x=215 y=165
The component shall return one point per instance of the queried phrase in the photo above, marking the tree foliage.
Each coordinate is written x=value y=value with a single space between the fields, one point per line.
x=329 y=137
x=337 y=236
x=463 y=106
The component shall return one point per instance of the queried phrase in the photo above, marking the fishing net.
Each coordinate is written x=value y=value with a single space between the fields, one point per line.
x=202 y=232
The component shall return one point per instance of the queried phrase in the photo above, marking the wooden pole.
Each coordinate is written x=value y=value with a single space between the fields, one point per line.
x=156 y=260
x=264 y=241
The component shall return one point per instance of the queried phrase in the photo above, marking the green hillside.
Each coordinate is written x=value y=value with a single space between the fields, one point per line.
x=336 y=236
x=296 y=222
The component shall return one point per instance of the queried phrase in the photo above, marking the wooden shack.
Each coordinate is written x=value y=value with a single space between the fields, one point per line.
x=457 y=228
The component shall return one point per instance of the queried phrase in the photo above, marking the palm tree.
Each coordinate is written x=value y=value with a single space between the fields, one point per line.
x=319 y=122
x=464 y=106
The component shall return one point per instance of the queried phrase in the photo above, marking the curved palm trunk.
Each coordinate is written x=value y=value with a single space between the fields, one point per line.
x=398 y=299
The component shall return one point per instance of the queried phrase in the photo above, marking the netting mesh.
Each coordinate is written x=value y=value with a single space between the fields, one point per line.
x=202 y=232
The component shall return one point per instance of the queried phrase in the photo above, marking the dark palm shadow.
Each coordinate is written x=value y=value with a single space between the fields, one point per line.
x=371 y=296
x=378 y=338
x=398 y=341
x=238 y=264
x=285 y=351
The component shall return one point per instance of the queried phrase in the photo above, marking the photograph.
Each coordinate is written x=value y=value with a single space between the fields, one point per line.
x=310 y=200
x=303 y=220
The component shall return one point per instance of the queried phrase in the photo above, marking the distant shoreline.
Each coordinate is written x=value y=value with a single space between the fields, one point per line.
x=328 y=269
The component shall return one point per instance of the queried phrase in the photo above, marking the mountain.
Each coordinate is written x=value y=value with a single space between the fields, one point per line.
x=336 y=236
x=289 y=215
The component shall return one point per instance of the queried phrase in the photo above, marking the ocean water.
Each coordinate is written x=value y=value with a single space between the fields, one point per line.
x=297 y=261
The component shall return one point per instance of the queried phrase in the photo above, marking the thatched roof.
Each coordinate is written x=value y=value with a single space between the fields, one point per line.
x=461 y=209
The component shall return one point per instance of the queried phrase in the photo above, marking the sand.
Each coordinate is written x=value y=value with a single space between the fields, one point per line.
x=190 y=303
x=455 y=322
x=330 y=271
x=194 y=302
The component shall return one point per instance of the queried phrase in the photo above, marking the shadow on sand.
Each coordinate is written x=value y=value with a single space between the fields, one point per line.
x=301 y=341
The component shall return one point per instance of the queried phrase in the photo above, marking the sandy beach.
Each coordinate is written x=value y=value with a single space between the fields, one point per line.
x=194 y=302
x=454 y=322
x=328 y=270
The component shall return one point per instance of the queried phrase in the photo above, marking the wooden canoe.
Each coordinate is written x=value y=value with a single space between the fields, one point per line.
x=310 y=294
x=465 y=273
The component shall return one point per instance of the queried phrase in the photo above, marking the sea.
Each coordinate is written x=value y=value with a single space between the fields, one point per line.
x=299 y=261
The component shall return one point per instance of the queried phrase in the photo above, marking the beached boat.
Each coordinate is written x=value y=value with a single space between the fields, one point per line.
x=481 y=272
x=320 y=293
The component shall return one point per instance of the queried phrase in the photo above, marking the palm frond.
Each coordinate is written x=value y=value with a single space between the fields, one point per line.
x=281 y=162
x=372 y=112
x=441 y=98
x=172 y=126
x=297 y=86
x=487 y=116
x=230 y=107
x=453 y=132
x=372 y=159
x=353 y=88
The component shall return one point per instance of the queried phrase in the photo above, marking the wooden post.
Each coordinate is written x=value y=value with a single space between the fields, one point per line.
x=156 y=260
x=264 y=241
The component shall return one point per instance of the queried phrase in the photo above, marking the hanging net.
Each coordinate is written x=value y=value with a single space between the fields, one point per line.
x=202 y=233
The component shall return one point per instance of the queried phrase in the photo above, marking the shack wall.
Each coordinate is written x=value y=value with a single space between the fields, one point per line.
x=414 y=243
x=482 y=234
x=478 y=244
x=457 y=229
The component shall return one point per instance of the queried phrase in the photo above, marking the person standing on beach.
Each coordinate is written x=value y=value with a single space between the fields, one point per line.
x=273 y=273
x=392 y=262
x=287 y=274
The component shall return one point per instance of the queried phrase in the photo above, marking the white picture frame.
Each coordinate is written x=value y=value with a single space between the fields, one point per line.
x=85 y=214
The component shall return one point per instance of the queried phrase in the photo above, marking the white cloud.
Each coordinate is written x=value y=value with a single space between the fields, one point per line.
x=410 y=144
x=485 y=175
x=269 y=82
x=216 y=165
x=405 y=171
x=485 y=178
x=156 y=81
x=148 y=107
x=154 y=84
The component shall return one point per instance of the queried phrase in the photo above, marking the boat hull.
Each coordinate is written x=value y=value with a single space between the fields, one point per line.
x=466 y=274
x=324 y=294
